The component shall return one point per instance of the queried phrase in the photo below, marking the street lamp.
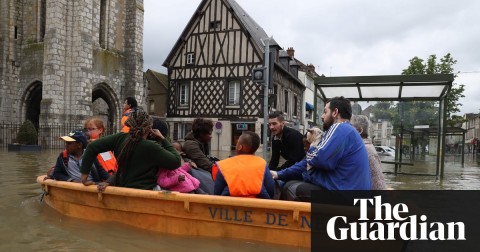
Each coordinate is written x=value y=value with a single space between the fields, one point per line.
x=258 y=75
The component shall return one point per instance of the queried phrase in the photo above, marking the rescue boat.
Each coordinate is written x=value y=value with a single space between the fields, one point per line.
x=261 y=220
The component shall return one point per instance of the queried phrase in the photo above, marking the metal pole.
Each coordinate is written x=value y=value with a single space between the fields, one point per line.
x=265 y=96
x=315 y=101
x=463 y=149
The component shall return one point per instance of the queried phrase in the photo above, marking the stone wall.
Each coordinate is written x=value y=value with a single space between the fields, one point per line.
x=82 y=48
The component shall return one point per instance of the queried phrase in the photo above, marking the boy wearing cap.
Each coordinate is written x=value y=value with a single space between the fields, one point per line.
x=69 y=161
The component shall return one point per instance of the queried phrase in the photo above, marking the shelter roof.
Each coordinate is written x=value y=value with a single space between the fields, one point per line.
x=386 y=87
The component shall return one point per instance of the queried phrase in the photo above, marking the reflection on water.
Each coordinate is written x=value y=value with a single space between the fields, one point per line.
x=456 y=176
x=29 y=225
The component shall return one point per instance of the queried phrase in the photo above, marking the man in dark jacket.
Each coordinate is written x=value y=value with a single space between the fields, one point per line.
x=68 y=163
x=196 y=143
x=286 y=142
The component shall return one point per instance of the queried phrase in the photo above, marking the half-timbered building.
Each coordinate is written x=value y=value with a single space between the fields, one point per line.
x=210 y=69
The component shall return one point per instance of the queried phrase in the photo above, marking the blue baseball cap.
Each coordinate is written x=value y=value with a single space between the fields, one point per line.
x=76 y=136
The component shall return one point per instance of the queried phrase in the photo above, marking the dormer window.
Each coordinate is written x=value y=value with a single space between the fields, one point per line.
x=215 y=25
x=190 y=58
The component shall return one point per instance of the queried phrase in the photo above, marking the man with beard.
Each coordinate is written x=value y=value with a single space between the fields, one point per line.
x=339 y=162
x=287 y=142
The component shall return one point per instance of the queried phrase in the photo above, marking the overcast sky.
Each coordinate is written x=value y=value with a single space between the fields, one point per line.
x=349 y=37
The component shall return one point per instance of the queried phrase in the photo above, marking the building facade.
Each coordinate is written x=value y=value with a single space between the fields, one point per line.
x=157 y=93
x=307 y=75
x=472 y=127
x=210 y=75
x=59 y=57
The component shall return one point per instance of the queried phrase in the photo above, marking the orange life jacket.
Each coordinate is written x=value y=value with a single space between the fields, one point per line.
x=243 y=174
x=108 y=162
x=125 y=129
x=109 y=165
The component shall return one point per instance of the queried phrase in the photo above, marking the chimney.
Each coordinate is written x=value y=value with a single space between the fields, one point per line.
x=291 y=52
x=311 y=68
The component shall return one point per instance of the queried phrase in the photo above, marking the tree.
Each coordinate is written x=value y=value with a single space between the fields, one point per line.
x=382 y=110
x=444 y=66
x=27 y=134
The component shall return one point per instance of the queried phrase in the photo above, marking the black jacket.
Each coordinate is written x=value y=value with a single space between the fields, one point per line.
x=290 y=147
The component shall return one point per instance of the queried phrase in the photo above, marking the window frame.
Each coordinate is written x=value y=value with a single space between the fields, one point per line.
x=295 y=105
x=184 y=94
x=190 y=58
x=151 y=107
x=214 y=25
x=183 y=130
x=236 y=92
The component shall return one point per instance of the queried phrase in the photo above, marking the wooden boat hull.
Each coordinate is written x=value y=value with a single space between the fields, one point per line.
x=279 y=222
x=266 y=221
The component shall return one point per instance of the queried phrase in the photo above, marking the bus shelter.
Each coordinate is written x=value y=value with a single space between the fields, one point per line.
x=400 y=88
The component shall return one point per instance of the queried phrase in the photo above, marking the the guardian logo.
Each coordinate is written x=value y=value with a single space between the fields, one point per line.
x=390 y=221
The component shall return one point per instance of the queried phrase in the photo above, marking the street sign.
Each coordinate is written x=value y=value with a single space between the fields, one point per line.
x=242 y=126
x=218 y=128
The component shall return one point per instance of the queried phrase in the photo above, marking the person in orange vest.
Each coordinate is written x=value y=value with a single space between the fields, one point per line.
x=244 y=175
x=94 y=129
x=129 y=106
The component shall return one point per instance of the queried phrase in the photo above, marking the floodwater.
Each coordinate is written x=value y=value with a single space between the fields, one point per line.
x=29 y=225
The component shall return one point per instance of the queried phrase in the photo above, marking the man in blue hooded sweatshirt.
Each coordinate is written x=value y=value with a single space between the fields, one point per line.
x=339 y=162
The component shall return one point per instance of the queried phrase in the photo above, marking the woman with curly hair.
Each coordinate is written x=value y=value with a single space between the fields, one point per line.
x=196 y=143
x=138 y=159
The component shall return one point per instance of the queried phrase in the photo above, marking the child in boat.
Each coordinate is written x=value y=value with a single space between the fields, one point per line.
x=68 y=163
x=205 y=177
x=94 y=129
x=179 y=179
x=244 y=175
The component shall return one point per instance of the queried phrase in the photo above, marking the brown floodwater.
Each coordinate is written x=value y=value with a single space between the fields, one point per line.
x=30 y=225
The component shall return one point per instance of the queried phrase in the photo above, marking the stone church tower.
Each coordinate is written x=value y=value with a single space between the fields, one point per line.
x=62 y=61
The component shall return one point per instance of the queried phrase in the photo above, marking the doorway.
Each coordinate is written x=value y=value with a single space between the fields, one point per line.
x=237 y=130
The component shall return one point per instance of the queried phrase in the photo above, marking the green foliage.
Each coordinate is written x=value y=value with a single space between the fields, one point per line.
x=383 y=110
x=414 y=113
x=433 y=66
x=27 y=134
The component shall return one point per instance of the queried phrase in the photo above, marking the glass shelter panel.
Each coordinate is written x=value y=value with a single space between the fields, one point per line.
x=422 y=91
x=350 y=92
x=374 y=92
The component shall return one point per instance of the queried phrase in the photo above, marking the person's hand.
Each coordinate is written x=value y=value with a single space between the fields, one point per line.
x=192 y=164
x=87 y=183
x=155 y=134
x=274 y=175
x=101 y=186
x=181 y=178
